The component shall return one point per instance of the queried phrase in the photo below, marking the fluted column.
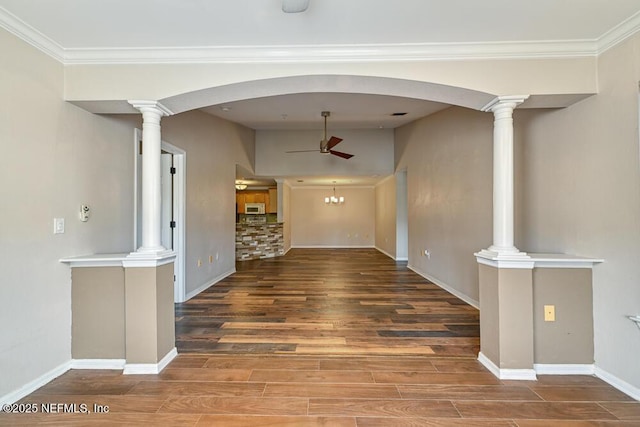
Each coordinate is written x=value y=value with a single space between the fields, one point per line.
x=503 y=179
x=152 y=112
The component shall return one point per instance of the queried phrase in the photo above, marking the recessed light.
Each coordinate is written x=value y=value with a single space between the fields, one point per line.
x=225 y=109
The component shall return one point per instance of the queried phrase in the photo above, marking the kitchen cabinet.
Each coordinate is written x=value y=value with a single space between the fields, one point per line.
x=268 y=197
x=272 y=207
x=254 y=196
x=240 y=201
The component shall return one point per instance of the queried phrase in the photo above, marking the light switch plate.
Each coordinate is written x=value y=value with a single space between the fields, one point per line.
x=58 y=225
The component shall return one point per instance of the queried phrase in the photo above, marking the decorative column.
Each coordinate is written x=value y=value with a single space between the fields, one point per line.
x=503 y=198
x=505 y=273
x=149 y=274
x=152 y=112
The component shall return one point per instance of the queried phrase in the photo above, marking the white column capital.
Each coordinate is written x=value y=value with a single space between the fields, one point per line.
x=505 y=102
x=153 y=107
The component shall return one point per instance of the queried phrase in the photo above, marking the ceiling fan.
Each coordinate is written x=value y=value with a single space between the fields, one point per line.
x=326 y=146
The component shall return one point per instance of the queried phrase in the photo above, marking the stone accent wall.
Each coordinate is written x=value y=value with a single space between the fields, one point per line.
x=257 y=241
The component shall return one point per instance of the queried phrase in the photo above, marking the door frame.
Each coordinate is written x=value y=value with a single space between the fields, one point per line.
x=179 y=203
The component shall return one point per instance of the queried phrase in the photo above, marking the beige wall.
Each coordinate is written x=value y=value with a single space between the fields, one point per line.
x=448 y=157
x=506 y=316
x=213 y=148
x=385 y=235
x=569 y=339
x=313 y=223
x=455 y=81
x=55 y=161
x=98 y=308
x=581 y=195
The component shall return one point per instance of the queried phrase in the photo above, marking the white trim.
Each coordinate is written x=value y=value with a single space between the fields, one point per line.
x=391 y=256
x=95 y=260
x=534 y=260
x=563 y=261
x=151 y=259
x=619 y=33
x=623 y=386
x=27 y=33
x=385 y=253
x=563 y=369
x=150 y=368
x=507 y=374
x=35 y=384
x=334 y=53
x=463 y=297
x=180 y=216
x=209 y=284
x=98 y=364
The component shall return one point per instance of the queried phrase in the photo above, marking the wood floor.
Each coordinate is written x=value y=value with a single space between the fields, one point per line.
x=327 y=338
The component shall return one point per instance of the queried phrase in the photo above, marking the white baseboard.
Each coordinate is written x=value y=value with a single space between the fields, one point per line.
x=447 y=288
x=98 y=364
x=507 y=374
x=149 y=368
x=386 y=253
x=563 y=369
x=391 y=256
x=32 y=386
x=209 y=284
x=623 y=386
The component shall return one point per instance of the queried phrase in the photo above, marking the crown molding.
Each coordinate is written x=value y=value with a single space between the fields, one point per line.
x=321 y=53
x=619 y=33
x=27 y=33
x=333 y=53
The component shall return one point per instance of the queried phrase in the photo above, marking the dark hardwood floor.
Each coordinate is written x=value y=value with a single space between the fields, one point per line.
x=327 y=302
x=328 y=338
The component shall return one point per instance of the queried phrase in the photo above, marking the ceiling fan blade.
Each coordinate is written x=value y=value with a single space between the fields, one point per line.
x=302 y=151
x=333 y=141
x=341 y=154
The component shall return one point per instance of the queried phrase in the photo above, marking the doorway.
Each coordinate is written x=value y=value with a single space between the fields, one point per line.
x=173 y=211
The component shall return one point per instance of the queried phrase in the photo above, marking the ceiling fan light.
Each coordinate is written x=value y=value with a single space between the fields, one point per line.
x=294 y=6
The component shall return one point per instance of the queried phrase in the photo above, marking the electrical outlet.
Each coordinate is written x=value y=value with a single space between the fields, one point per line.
x=549 y=313
x=217 y=256
x=427 y=254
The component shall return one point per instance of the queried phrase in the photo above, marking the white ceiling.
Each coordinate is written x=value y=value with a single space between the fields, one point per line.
x=75 y=24
x=74 y=31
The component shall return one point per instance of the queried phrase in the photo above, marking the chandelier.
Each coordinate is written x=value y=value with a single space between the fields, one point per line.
x=333 y=200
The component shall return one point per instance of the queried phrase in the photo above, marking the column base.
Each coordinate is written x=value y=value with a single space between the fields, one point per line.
x=498 y=257
x=149 y=258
